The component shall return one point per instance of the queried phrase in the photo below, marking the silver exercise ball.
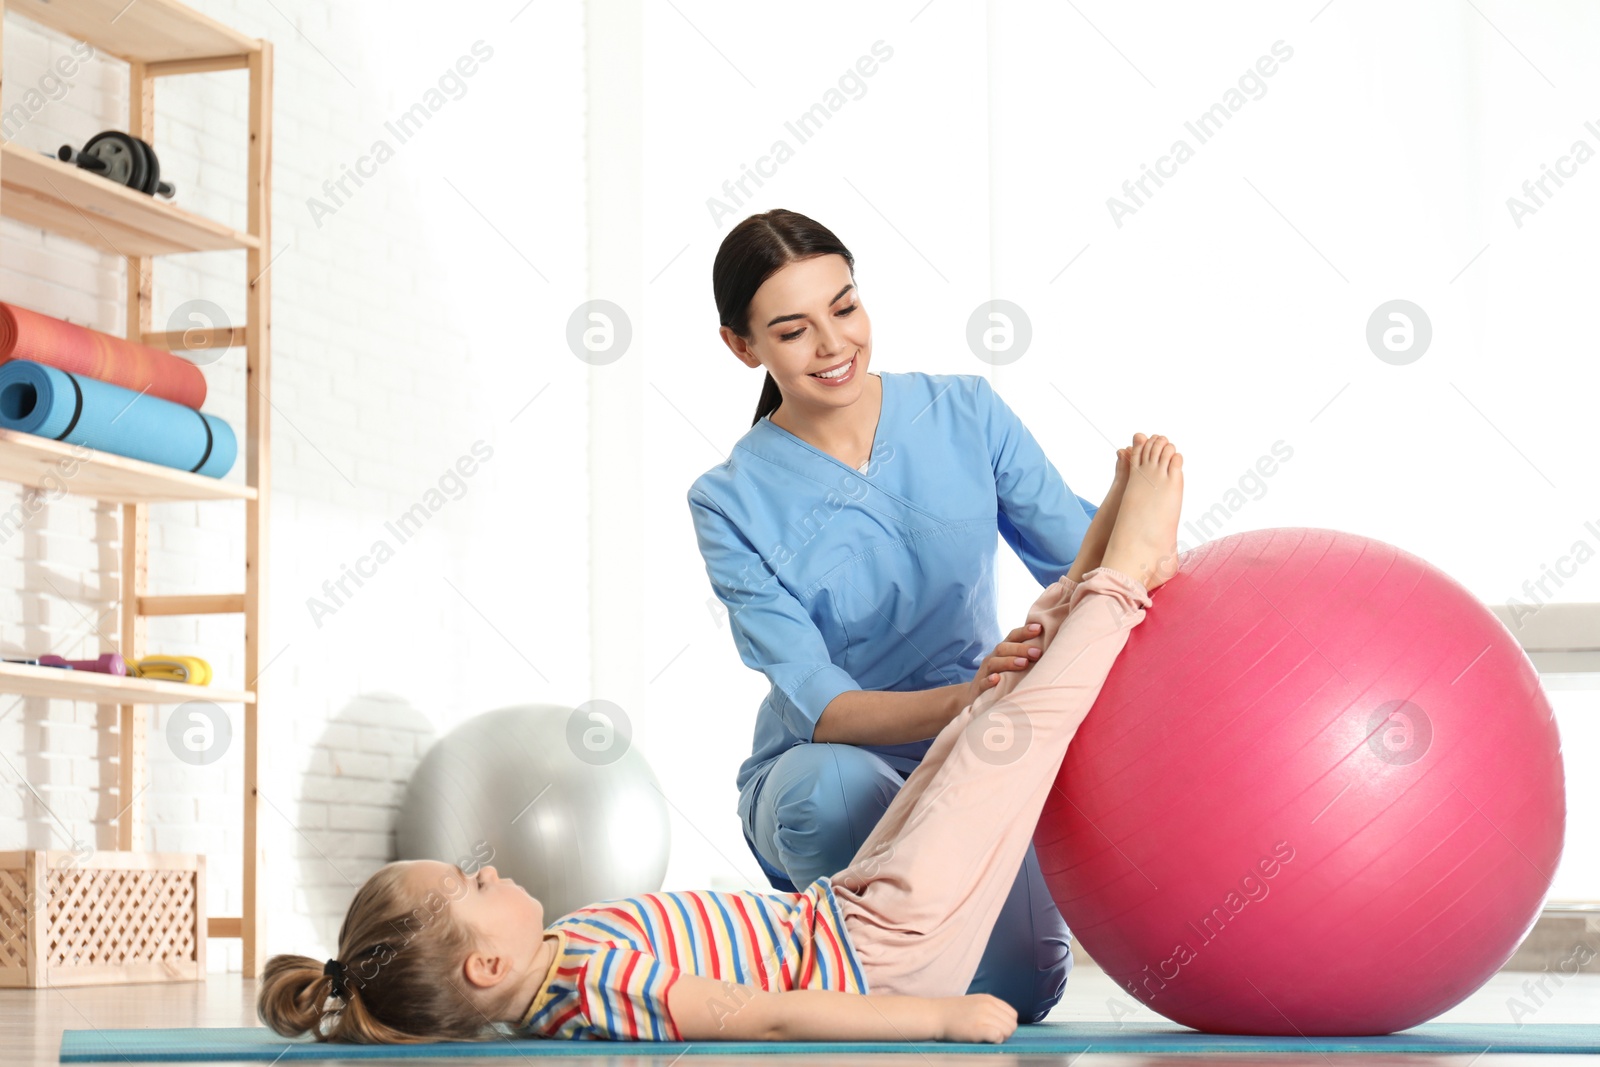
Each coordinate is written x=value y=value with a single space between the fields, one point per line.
x=556 y=798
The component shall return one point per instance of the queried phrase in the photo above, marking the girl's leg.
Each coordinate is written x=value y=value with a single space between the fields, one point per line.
x=1057 y=597
x=921 y=896
x=816 y=805
x=1095 y=539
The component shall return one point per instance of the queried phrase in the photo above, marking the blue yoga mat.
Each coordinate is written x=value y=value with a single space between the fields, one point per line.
x=260 y=1044
x=68 y=407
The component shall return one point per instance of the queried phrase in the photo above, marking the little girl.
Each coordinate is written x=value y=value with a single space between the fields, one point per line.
x=430 y=952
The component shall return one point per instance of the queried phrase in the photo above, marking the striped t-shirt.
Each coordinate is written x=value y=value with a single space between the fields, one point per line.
x=616 y=960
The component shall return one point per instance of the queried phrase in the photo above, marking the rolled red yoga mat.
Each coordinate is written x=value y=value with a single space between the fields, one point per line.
x=27 y=334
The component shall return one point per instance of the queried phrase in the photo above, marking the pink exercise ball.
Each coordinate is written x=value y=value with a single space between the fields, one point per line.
x=1321 y=793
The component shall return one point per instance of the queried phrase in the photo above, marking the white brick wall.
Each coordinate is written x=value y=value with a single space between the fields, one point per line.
x=355 y=768
x=400 y=338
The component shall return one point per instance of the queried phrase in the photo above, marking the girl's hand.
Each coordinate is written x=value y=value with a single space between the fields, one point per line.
x=1007 y=655
x=977 y=1017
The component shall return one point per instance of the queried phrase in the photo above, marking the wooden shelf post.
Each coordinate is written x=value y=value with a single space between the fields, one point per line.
x=258 y=471
x=133 y=721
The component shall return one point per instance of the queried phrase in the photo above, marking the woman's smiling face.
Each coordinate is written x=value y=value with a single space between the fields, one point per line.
x=805 y=318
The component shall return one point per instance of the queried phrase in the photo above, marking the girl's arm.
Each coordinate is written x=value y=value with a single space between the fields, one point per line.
x=706 y=1009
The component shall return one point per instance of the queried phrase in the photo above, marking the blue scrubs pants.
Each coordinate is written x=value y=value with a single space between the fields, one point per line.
x=819 y=802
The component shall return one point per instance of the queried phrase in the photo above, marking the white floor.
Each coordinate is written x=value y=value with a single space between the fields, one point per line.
x=31 y=1022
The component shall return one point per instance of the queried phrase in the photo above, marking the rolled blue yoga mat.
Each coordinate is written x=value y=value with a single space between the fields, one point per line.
x=53 y=403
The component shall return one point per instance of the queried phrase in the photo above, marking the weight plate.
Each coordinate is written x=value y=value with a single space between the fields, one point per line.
x=125 y=160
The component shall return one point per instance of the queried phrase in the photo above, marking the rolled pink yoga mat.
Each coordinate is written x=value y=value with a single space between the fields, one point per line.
x=27 y=334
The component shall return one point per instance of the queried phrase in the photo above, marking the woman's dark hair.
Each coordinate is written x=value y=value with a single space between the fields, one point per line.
x=754 y=251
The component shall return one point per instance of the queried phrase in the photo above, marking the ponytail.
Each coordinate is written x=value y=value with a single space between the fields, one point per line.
x=771 y=397
x=292 y=995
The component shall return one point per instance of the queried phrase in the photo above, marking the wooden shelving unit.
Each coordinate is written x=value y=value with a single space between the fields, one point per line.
x=159 y=38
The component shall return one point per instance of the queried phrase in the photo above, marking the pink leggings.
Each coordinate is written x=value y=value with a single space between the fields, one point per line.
x=921 y=896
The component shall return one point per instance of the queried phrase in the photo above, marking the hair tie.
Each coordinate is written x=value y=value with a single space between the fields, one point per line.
x=335 y=970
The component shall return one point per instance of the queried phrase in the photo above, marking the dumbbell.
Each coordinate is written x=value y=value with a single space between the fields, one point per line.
x=124 y=159
x=109 y=663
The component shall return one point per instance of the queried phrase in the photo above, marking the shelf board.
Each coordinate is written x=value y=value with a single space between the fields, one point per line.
x=43 y=191
x=88 y=686
x=148 y=31
x=38 y=461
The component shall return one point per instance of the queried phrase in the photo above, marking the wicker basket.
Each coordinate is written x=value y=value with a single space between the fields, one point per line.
x=68 y=919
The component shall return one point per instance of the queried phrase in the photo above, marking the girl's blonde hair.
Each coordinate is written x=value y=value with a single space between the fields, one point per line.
x=401 y=975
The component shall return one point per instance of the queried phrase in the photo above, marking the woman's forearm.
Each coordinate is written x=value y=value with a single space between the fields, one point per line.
x=827 y=1015
x=881 y=717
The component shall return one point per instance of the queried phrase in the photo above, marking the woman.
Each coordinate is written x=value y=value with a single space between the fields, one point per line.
x=851 y=535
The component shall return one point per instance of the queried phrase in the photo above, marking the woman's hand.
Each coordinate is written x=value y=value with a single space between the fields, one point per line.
x=977 y=1017
x=1012 y=654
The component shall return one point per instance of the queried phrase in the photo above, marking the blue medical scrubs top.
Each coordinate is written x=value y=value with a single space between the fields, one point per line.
x=837 y=579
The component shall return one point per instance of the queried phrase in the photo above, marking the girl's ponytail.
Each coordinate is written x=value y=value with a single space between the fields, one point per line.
x=298 y=996
x=293 y=995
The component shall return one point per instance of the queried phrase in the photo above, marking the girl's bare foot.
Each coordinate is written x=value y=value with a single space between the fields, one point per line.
x=1144 y=540
x=1105 y=517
